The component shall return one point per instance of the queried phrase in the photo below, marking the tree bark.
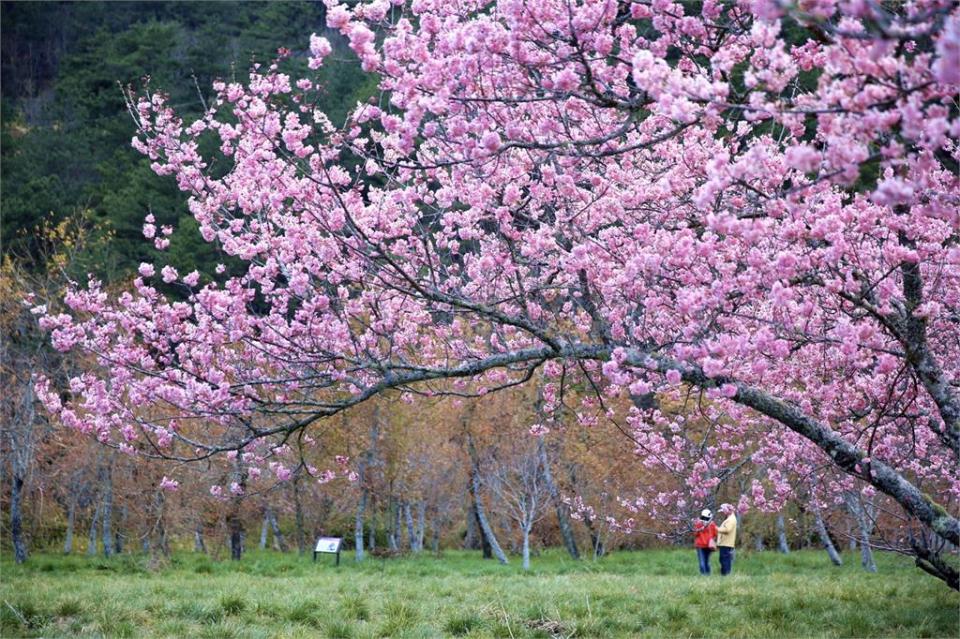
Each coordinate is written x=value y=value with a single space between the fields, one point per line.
x=485 y=527
x=411 y=535
x=471 y=539
x=782 y=544
x=358 y=519
x=71 y=519
x=92 y=538
x=421 y=524
x=563 y=516
x=298 y=517
x=862 y=515
x=595 y=540
x=526 y=548
x=264 y=529
x=106 y=527
x=16 y=519
x=278 y=537
x=198 y=545
x=825 y=538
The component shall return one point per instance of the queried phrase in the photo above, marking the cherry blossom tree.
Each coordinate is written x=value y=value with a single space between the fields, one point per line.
x=754 y=201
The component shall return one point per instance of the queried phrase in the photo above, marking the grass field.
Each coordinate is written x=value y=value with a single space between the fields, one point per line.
x=650 y=593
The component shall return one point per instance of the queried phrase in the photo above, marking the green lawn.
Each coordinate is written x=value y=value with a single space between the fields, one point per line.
x=649 y=593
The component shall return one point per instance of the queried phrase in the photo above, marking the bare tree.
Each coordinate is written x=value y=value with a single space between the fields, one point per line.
x=522 y=493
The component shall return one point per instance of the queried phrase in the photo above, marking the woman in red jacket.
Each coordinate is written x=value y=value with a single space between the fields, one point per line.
x=705 y=539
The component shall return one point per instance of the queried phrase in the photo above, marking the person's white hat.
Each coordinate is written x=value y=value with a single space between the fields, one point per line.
x=706 y=514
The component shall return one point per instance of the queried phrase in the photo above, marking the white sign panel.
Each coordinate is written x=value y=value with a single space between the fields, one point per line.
x=328 y=544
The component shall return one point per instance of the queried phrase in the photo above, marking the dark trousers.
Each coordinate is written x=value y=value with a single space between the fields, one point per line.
x=703 y=556
x=726 y=560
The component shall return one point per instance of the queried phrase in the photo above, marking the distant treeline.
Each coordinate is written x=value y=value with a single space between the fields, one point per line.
x=66 y=133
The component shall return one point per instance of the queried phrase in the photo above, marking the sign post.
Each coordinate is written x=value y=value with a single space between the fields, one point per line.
x=329 y=545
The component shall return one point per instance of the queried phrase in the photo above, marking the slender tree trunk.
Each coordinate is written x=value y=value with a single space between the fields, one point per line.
x=264 y=529
x=298 y=517
x=372 y=534
x=563 y=517
x=478 y=504
x=71 y=519
x=862 y=514
x=92 y=537
x=235 y=526
x=435 y=538
x=825 y=538
x=397 y=526
x=471 y=540
x=411 y=535
x=596 y=541
x=278 y=537
x=119 y=535
x=106 y=527
x=421 y=524
x=198 y=545
x=758 y=543
x=782 y=544
x=16 y=519
x=358 y=519
x=526 y=548
x=163 y=545
x=852 y=533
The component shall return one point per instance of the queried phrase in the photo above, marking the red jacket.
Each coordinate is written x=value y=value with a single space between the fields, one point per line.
x=703 y=533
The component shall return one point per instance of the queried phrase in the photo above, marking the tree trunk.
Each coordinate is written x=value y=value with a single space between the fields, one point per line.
x=92 y=539
x=782 y=544
x=563 y=518
x=264 y=529
x=526 y=548
x=825 y=538
x=234 y=515
x=16 y=519
x=198 y=545
x=71 y=518
x=106 y=527
x=435 y=539
x=397 y=525
x=298 y=517
x=862 y=514
x=235 y=525
x=119 y=534
x=163 y=545
x=358 y=520
x=595 y=540
x=485 y=527
x=278 y=538
x=758 y=543
x=471 y=539
x=421 y=524
x=411 y=535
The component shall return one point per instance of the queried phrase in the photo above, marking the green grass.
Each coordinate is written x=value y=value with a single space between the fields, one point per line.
x=653 y=593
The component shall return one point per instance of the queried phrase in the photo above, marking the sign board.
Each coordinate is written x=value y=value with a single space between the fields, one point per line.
x=329 y=545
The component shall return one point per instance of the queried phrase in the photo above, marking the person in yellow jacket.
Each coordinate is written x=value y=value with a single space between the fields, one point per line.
x=727 y=538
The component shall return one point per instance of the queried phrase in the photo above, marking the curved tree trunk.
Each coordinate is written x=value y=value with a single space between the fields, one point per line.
x=782 y=544
x=485 y=527
x=563 y=515
x=825 y=539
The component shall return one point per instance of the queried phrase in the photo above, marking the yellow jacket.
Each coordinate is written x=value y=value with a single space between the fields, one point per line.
x=727 y=532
